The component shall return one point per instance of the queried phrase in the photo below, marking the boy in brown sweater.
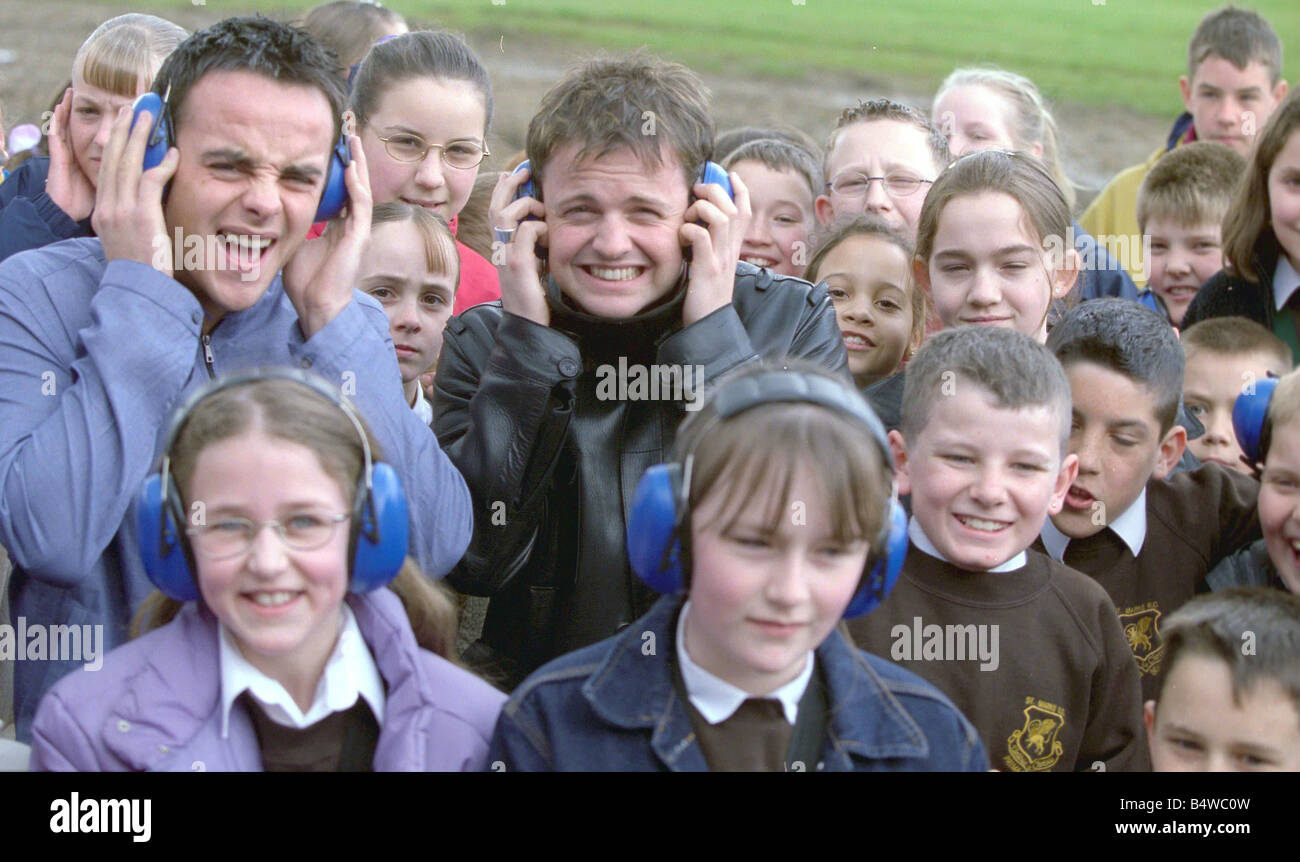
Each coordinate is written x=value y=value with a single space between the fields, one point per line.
x=1147 y=539
x=1029 y=650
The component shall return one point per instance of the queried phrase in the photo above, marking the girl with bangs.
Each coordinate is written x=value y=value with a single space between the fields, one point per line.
x=50 y=199
x=289 y=649
x=779 y=513
x=412 y=268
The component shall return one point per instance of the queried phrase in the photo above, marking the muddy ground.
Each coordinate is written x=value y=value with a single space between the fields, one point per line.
x=39 y=37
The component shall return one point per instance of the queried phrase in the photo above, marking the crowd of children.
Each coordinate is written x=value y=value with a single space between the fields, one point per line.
x=891 y=380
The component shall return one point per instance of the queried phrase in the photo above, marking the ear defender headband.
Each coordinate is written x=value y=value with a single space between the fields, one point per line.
x=658 y=526
x=379 y=526
x=333 y=198
x=1250 y=421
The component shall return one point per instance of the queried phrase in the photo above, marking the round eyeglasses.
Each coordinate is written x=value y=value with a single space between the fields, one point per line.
x=229 y=537
x=462 y=154
x=855 y=185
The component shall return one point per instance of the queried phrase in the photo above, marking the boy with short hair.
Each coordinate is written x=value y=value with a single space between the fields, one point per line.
x=1147 y=539
x=1233 y=83
x=1180 y=210
x=783 y=181
x=880 y=159
x=1028 y=649
x=1225 y=355
x=1230 y=693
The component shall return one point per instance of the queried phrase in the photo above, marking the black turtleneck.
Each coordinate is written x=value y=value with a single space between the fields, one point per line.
x=604 y=594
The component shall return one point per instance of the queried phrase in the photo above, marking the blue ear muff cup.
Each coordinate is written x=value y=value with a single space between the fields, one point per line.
x=1249 y=414
x=712 y=172
x=381 y=531
x=886 y=568
x=335 y=196
x=653 y=550
x=159 y=133
x=162 y=545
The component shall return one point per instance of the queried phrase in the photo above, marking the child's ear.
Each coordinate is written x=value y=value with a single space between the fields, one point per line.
x=1185 y=88
x=1149 y=716
x=1171 y=451
x=898 y=446
x=1279 y=92
x=1067 y=273
x=1064 y=479
x=823 y=210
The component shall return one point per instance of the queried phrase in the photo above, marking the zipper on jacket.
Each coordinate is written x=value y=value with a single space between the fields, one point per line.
x=207 y=355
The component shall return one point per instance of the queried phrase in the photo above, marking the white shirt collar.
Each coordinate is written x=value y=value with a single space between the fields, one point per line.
x=422 y=407
x=1130 y=526
x=350 y=673
x=1286 y=281
x=716 y=699
x=923 y=543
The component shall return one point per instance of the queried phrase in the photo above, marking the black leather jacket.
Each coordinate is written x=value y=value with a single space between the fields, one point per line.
x=553 y=466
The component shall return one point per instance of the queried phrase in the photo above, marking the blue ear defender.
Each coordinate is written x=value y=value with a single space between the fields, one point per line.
x=1250 y=419
x=658 y=526
x=333 y=198
x=712 y=172
x=379 y=524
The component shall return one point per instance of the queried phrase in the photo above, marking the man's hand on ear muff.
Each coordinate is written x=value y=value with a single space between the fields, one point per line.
x=322 y=274
x=128 y=214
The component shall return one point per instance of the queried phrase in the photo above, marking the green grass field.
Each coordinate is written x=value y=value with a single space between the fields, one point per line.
x=1100 y=52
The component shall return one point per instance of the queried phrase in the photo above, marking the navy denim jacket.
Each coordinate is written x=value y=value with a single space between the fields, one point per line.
x=612 y=707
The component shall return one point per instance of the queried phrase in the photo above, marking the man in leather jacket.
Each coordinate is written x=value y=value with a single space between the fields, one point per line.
x=555 y=400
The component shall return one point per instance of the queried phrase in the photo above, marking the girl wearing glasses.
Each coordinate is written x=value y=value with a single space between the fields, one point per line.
x=422 y=105
x=277 y=667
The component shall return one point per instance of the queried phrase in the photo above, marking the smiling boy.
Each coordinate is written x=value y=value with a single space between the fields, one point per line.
x=880 y=160
x=1147 y=537
x=1233 y=83
x=982 y=451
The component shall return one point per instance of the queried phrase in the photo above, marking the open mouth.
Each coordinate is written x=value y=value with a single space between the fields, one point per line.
x=1079 y=498
x=853 y=341
x=242 y=252
x=982 y=525
x=759 y=260
x=613 y=273
x=271 y=601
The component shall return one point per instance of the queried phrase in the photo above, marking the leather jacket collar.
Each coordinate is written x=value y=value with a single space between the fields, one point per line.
x=603 y=338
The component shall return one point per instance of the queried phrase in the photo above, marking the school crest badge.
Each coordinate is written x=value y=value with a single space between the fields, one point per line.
x=1036 y=746
x=1141 y=625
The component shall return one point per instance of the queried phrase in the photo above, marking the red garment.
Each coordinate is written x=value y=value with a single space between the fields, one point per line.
x=479 y=281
